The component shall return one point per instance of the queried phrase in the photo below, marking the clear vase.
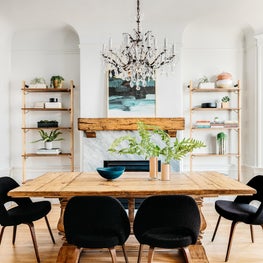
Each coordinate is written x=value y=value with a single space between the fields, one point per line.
x=153 y=168
x=221 y=146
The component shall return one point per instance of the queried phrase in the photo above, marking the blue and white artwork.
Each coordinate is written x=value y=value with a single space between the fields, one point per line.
x=127 y=101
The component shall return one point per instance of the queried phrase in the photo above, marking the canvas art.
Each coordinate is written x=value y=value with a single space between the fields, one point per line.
x=127 y=101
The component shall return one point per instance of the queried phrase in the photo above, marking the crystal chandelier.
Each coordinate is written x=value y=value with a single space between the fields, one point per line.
x=138 y=57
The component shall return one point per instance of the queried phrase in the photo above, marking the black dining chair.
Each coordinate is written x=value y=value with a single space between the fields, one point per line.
x=96 y=222
x=24 y=211
x=167 y=221
x=243 y=210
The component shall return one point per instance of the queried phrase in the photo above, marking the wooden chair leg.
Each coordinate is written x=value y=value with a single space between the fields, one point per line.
x=150 y=254
x=125 y=254
x=233 y=225
x=187 y=255
x=68 y=254
x=140 y=253
x=252 y=233
x=33 y=235
x=2 y=233
x=113 y=254
x=14 y=235
x=49 y=229
x=217 y=224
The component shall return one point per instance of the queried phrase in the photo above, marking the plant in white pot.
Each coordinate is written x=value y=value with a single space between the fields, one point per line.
x=48 y=138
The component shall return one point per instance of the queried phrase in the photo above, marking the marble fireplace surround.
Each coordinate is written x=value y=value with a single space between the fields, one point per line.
x=100 y=132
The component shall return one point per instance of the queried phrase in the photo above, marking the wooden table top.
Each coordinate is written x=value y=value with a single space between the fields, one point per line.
x=130 y=184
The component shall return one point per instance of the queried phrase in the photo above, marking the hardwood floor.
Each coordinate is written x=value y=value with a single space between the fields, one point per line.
x=243 y=251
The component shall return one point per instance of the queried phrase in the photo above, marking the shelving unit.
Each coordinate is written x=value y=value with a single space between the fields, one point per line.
x=30 y=127
x=197 y=111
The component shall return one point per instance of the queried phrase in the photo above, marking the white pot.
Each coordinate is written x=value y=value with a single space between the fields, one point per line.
x=48 y=145
x=224 y=83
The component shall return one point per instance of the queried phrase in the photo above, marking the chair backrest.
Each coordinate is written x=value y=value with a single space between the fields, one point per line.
x=256 y=183
x=7 y=184
x=95 y=214
x=167 y=211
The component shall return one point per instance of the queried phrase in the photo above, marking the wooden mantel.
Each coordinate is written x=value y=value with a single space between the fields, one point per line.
x=91 y=125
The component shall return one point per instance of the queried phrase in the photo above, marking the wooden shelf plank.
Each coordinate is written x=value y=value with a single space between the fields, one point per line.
x=213 y=154
x=45 y=90
x=215 y=109
x=215 y=90
x=45 y=155
x=46 y=109
x=46 y=128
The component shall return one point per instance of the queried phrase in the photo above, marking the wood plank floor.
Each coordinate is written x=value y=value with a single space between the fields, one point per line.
x=243 y=251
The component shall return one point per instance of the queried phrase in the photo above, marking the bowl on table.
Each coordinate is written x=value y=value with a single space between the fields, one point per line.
x=111 y=173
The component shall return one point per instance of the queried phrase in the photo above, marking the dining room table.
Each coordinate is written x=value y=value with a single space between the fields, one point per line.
x=131 y=185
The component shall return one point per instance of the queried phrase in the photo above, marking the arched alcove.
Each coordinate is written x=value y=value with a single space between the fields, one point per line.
x=42 y=51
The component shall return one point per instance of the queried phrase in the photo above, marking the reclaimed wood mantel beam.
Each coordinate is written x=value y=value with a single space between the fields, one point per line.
x=91 y=125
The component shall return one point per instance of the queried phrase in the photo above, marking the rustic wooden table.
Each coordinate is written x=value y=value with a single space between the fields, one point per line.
x=64 y=185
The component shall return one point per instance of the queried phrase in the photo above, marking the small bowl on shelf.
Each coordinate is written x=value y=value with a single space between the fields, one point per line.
x=111 y=173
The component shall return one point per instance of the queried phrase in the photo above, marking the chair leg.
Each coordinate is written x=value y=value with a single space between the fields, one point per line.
x=49 y=229
x=252 y=233
x=217 y=224
x=33 y=235
x=14 y=234
x=233 y=225
x=113 y=254
x=187 y=255
x=2 y=233
x=125 y=254
x=150 y=254
x=140 y=253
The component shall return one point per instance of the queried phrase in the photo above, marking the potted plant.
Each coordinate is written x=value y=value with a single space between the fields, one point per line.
x=48 y=138
x=225 y=102
x=204 y=83
x=149 y=148
x=56 y=81
x=39 y=83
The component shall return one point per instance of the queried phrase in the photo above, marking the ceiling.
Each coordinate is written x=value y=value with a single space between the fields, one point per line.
x=36 y=13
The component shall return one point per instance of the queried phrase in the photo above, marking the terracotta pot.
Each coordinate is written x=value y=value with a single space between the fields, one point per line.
x=224 y=75
x=165 y=173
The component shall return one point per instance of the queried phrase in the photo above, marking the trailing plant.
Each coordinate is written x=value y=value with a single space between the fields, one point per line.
x=49 y=137
x=148 y=148
x=221 y=136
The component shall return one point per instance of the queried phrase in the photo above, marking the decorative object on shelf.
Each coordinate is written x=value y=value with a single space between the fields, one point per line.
x=38 y=83
x=221 y=143
x=224 y=80
x=225 y=102
x=204 y=83
x=209 y=105
x=111 y=173
x=47 y=124
x=170 y=150
x=138 y=57
x=56 y=81
x=48 y=138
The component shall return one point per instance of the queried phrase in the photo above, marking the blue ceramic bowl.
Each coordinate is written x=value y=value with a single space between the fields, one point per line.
x=111 y=173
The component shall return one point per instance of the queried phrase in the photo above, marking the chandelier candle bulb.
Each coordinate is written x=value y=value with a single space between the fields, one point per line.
x=110 y=44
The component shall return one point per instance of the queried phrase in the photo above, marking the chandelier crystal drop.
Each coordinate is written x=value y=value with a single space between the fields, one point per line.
x=138 y=57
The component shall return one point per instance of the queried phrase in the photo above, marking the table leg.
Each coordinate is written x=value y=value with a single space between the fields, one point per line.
x=60 y=226
x=131 y=208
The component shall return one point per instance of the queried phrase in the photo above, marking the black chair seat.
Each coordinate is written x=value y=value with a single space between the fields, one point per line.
x=25 y=212
x=96 y=222
x=235 y=211
x=30 y=213
x=168 y=237
x=241 y=210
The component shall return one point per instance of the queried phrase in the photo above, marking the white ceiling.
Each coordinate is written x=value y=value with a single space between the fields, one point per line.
x=22 y=14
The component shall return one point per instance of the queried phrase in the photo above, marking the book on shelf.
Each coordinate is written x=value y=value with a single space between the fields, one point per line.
x=217 y=125
x=49 y=151
x=202 y=124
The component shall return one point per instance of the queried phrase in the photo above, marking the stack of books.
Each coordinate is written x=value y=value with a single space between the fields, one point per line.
x=202 y=124
x=217 y=125
x=49 y=151
x=231 y=124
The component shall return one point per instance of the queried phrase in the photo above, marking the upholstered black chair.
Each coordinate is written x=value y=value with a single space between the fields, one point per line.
x=25 y=212
x=96 y=222
x=242 y=210
x=167 y=221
